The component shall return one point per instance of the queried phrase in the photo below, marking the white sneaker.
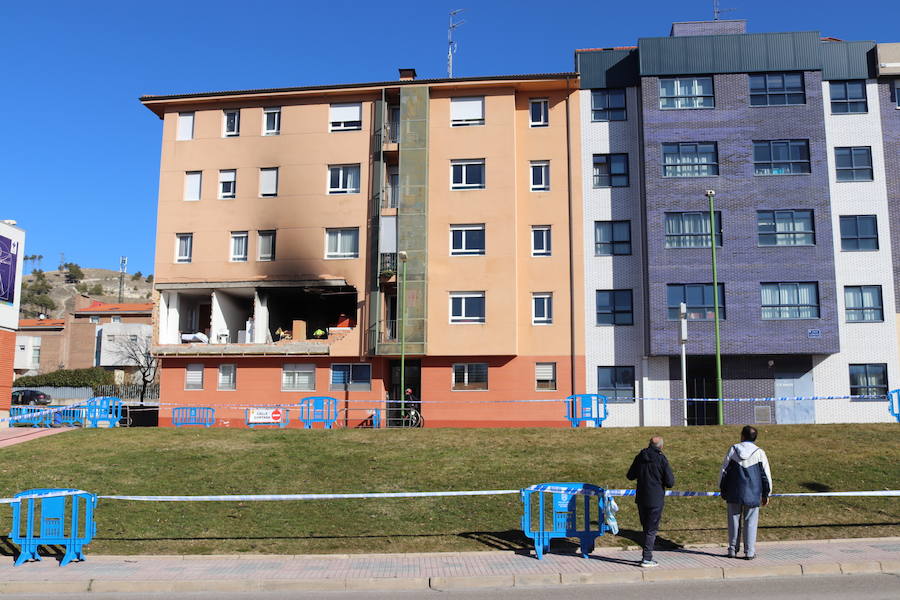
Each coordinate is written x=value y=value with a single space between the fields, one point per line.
x=649 y=563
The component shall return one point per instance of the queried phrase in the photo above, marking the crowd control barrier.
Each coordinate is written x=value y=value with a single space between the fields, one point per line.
x=103 y=410
x=193 y=415
x=52 y=526
x=565 y=518
x=894 y=404
x=46 y=416
x=586 y=408
x=318 y=409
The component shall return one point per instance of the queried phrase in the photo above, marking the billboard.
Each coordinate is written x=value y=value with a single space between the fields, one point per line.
x=12 y=250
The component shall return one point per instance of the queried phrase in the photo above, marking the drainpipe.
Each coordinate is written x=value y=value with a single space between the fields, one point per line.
x=572 y=319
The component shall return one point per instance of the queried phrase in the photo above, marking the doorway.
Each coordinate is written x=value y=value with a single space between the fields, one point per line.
x=413 y=381
x=701 y=383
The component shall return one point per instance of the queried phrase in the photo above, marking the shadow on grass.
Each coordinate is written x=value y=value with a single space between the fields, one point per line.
x=815 y=486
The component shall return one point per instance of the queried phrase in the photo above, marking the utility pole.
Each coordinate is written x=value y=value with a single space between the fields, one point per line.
x=123 y=266
x=451 y=45
x=710 y=195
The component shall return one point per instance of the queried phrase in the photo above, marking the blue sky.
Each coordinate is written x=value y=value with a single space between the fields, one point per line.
x=81 y=155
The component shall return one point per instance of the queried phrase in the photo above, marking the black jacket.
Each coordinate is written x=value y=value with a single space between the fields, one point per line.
x=653 y=473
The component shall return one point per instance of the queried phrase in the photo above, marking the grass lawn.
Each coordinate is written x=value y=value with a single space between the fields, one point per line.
x=222 y=461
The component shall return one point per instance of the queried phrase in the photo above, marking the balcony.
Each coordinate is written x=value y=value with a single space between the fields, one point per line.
x=392 y=132
x=387 y=264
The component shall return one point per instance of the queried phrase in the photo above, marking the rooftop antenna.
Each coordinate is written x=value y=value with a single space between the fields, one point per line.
x=717 y=11
x=451 y=45
x=123 y=267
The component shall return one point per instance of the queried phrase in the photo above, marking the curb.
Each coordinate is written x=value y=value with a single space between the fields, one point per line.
x=891 y=567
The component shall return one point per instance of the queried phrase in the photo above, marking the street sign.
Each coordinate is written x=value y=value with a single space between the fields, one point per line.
x=814 y=334
x=264 y=416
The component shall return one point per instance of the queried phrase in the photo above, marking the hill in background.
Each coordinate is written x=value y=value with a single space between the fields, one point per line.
x=99 y=284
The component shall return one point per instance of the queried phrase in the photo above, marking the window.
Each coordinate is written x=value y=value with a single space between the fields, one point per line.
x=777 y=89
x=265 y=243
x=868 y=380
x=184 y=243
x=467 y=111
x=614 y=307
x=192 y=181
x=897 y=93
x=467 y=240
x=540 y=175
x=193 y=376
x=268 y=182
x=227 y=183
x=790 y=301
x=345 y=117
x=612 y=238
x=356 y=377
x=115 y=319
x=185 y=129
x=466 y=174
x=616 y=383
x=539 y=112
x=342 y=243
x=691 y=229
x=863 y=303
x=785 y=228
x=271 y=120
x=35 y=356
x=541 y=242
x=690 y=159
x=853 y=163
x=848 y=97
x=545 y=376
x=608 y=105
x=231 y=123
x=781 y=157
x=467 y=307
x=859 y=233
x=95 y=319
x=686 y=92
x=343 y=179
x=470 y=376
x=298 y=378
x=238 y=246
x=542 y=308
x=610 y=170
x=699 y=300
x=227 y=377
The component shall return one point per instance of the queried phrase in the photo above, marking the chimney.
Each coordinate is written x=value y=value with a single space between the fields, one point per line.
x=407 y=74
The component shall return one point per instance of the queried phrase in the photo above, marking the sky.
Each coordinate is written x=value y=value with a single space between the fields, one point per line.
x=80 y=154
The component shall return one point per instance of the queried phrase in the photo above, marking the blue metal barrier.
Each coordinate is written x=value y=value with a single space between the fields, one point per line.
x=318 y=409
x=103 y=409
x=586 y=408
x=376 y=418
x=267 y=417
x=894 y=404
x=46 y=416
x=563 y=518
x=52 y=526
x=193 y=415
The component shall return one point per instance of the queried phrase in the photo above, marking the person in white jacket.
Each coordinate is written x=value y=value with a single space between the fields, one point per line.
x=745 y=483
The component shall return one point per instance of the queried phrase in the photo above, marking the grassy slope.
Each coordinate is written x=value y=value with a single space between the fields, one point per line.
x=168 y=461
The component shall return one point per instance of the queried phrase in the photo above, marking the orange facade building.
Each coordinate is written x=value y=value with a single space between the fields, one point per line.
x=308 y=238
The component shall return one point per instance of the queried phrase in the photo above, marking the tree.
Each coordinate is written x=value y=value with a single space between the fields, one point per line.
x=36 y=295
x=74 y=274
x=149 y=278
x=96 y=290
x=137 y=275
x=134 y=350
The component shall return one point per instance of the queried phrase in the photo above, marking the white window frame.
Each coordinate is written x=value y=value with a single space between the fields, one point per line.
x=293 y=386
x=262 y=192
x=115 y=319
x=193 y=186
x=469 y=117
x=897 y=94
x=464 y=163
x=184 y=126
x=259 y=245
x=546 y=234
x=545 y=298
x=184 y=258
x=193 y=367
x=462 y=319
x=544 y=103
x=94 y=319
x=464 y=250
x=539 y=369
x=227 y=176
x=271 y=110
x=334 y=125
x=340 y=232
x=542 y=169
x=466 y=367
x=343 y=171
x=237 y=122
x=233 y=255
x=226 y=380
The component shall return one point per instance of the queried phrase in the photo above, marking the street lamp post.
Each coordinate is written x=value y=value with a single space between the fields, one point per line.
x=710 y=195
x=401 y=256
x=682 y=315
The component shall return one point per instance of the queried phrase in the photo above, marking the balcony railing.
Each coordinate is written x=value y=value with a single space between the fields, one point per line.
x=387 y=263
x=392 y=132
x=391 y=196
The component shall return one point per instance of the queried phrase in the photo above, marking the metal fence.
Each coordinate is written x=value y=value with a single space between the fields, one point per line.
x=129 y=391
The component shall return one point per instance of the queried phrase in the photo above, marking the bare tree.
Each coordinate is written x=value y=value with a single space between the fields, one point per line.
x=134 y=351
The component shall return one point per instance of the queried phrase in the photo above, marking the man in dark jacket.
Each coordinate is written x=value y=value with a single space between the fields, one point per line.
x=745 y=482
x=653 y=473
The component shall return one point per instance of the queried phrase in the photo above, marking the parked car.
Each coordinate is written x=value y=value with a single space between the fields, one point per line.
x=24 y=397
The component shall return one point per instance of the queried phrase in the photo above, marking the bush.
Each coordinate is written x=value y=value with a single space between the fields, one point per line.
x=68 y=378
x=96 y=290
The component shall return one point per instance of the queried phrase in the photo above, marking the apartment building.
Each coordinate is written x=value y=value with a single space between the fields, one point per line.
x=308 y=238
x=797 y=135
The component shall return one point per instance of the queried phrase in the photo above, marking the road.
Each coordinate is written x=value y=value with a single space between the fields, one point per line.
x=870 y=587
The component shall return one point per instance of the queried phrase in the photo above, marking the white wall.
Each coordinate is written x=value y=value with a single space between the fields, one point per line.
x=25 y=345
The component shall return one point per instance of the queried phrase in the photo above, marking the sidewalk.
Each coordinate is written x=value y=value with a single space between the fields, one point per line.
x=10 y=436
x=442 y=571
